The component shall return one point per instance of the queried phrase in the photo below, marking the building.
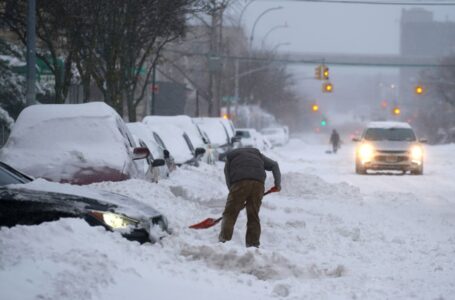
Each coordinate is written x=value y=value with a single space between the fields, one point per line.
x=422 y=36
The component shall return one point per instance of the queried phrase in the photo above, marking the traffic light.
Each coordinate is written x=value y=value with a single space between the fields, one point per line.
x=315 y=107
x=327 y=87
x=419 y=89
x=396 y=111
x=318 y=72
x=325 y=72
x=323 y=122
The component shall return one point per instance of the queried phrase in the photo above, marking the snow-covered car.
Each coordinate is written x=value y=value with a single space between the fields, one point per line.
x=175 y=140
x=144 y=137
x=27 y=202
x=218 y=131
x=278 y=136
x=73 y=143
x=250 y=137
x=389 y=146
x=196 y=136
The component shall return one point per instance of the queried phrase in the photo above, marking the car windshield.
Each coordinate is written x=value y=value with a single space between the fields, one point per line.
x=243 y=134
x=11 y=176
x=390 y=134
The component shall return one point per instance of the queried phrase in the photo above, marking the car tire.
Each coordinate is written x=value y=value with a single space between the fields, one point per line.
x=419 y=171
x=359 y=169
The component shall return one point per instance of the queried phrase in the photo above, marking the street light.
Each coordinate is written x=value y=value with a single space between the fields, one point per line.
x=243 y=11
x=279 y=45
x=285 y=25
x=257 y=20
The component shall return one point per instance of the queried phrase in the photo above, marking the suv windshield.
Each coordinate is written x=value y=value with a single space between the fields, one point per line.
x=243 y=134
x=390 y=134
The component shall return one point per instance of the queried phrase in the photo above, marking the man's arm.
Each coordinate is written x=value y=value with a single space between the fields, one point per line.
x=271 y=165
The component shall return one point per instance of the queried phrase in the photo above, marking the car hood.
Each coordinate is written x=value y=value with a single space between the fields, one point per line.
x=392 y=145
x=121 y=203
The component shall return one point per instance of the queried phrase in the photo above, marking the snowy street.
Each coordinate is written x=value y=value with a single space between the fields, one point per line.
x=329 y=234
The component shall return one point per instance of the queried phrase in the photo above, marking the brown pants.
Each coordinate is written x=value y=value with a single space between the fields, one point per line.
x=243 y=193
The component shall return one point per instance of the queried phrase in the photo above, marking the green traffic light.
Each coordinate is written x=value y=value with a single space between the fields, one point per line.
x=323 y=122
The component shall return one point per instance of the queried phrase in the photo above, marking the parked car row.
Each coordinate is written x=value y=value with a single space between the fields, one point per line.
x=87 y=143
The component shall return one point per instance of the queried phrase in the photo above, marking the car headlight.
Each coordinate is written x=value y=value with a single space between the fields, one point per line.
x=416 y=153
x=113 y=220
x=366 y=152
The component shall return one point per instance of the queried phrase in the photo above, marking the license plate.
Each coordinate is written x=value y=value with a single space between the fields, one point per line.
x=391 y=158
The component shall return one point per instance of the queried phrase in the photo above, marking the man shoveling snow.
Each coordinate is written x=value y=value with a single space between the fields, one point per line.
x=245 y=176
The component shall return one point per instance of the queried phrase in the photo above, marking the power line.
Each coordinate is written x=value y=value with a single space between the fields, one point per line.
x=366 y=2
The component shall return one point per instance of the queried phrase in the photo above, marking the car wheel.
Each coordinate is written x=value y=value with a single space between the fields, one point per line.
x=359 y=169
x=419 y=171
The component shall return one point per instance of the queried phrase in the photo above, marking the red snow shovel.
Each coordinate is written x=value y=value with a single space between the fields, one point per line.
x=209 y=222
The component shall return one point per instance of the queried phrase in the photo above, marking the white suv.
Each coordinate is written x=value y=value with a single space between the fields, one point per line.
x=389 y=146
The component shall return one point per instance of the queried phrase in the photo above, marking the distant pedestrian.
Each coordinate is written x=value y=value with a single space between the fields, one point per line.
x=335 y=140
x=245 y=176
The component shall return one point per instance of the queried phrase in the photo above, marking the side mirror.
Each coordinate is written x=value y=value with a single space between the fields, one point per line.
x=356 y=139
x=424 y=141
x=158 y=162
x=140 y=153
x=166 y=154
x=199 y=152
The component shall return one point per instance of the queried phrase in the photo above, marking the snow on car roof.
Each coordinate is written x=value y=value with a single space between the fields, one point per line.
x=214 y=128
x=141 y=131
x=186 y=124
x=41 y=112
x=56 y=140
x=172 y=136
x=388 y=124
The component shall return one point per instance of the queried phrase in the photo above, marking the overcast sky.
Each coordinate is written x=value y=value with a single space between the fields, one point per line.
x=327 y=27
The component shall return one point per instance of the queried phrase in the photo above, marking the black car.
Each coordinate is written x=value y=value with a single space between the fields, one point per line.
x=26 y=205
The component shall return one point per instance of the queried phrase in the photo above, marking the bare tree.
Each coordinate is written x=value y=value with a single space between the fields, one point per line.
x=52 y=44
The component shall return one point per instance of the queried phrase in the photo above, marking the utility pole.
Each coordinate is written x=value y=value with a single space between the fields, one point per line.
x=31 y=52
x=236 y=89
x=197 y=103
x=152 y=106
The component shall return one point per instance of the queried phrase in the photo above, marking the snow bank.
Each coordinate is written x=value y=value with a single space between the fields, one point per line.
x=330 y=234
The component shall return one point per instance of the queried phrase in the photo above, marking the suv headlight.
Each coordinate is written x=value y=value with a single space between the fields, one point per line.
x=416 y=153
x=113 y=220
x=366 y=153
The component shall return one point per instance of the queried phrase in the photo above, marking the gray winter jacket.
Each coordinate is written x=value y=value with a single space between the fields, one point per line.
x=249 y=163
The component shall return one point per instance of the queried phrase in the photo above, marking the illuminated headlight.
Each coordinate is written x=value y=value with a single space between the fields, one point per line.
x=416 y=153
x=366 y=152
x=114 y=221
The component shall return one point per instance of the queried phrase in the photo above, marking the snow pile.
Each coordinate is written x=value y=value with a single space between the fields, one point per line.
x=309 y=187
